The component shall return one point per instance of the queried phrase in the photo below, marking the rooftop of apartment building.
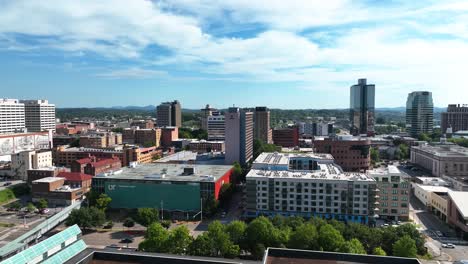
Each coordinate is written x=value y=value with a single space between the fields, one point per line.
x=443 y=149
x=325 y=172
x=171 y=172
x=98 y=162
x=74 y=176
x=179 y=156
x=116 y=149
x=277 y=158
x=384 y=171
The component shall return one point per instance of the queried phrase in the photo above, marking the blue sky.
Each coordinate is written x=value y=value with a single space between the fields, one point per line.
x=282 y=54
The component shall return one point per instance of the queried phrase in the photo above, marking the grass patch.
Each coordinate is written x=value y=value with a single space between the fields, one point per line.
x=14 y=192
x=7 y=225
x=427 y=256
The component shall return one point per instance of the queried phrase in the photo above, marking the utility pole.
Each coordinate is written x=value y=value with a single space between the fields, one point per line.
x=162 y=210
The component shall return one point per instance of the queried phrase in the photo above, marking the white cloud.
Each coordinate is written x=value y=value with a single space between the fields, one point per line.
x=133 y=73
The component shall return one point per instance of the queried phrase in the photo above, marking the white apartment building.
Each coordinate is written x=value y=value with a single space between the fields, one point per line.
x=215 y=127
x=309 y=186
x=12 y=118
x=28 y=160
x=39 y=115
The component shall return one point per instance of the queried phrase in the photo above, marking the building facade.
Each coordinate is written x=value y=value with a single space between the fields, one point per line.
x=169 y=134
x=456 y=117
x=239 y=135
x=203 y=146
x=351 y=153
x=395 y=189
x=216 y=127
x=441 y=159
x=12 y=118
x=148 y=137
x=169 y=114
x=262 y=130
x=286 y=137
x=39 y=115
x=362 y=108
x=311 y=186
x=93 y=166
x=419 y=113
x=458 y=212
x=29 y=160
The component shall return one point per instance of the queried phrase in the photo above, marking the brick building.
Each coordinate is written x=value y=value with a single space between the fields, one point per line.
x=286 y=137
x=169 y=134
x=94 y=166
x=351 y=153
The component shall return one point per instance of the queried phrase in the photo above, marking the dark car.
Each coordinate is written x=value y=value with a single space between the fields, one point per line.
x=7 y=184
x=127 y=240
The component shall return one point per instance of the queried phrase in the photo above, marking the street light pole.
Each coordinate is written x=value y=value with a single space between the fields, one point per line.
x=162 y=210
x=201 y=210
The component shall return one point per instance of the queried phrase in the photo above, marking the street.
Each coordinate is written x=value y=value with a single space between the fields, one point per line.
x=428 y=224
x=2 y=187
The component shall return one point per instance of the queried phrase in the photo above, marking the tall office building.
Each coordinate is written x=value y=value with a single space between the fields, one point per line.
x=39 y=115
x=216 y=127
x=419 y=113
x=11 y=116
x=169 y=114
x=262 y=129
x=362 y=108
x=239 y=135
x=456 y=118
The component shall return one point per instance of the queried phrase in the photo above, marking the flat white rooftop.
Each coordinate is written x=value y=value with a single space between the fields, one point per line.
x=48 y=180
x=390 y=170
x=460 y=198
x=443 y=150
x=431 y=188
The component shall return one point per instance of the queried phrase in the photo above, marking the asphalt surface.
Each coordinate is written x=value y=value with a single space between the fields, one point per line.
x=13 y=183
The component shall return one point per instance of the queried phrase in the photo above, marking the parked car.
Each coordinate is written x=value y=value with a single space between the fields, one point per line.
x=127 y=240
x=7 y=184
x=44 y=211
x=438 y=233
x=448 y=245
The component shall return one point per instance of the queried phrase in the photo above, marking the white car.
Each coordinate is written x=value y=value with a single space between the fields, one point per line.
x=448 y=245
x=438 y=233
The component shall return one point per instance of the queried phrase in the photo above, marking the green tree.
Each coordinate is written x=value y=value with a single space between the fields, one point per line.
x=129 y=222
x=156 y=238
x=30 y=208
x=374 y=155
x=378 y=251
x=42 y=204
x=201 y=246
x=103 y=201
x=15 y=205
x=330 y=239
x=294 y=222
x=147 y=216
x=380 y=120
x=353 y=246
x=259 y=231
x=179 y=240
x=304 y=237
x=221 y=244
x=86 y=217
x=237 y=171
x=225 y=194
x=236 y=231
x=411 y=231
x=405 y=247
x=424 y=137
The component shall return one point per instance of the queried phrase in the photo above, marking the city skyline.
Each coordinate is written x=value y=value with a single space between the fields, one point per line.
x=283 y=55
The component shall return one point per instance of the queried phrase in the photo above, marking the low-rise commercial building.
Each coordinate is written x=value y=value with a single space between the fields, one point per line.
x=54 y=190
x=309 y=186
x=434 y=198
x=441 y=158
x=66 y=156
x=180 y=189
x=94 y=166
x=458 y=212
x=433 y=181
x=145 y=137
x=77 y=180
x=351 y=153
x=203 y=146
x=457 y=183
x=394 y=193
x=36 y=174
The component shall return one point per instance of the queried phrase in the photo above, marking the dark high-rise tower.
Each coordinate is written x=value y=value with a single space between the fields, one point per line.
x=362 y=108
x=262 y=129
x=169 y=114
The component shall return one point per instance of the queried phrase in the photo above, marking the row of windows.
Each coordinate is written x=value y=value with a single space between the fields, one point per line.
x=306 y=209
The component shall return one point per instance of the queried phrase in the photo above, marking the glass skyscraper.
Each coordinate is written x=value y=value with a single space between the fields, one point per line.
x=419 y=113
x=362 y=108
